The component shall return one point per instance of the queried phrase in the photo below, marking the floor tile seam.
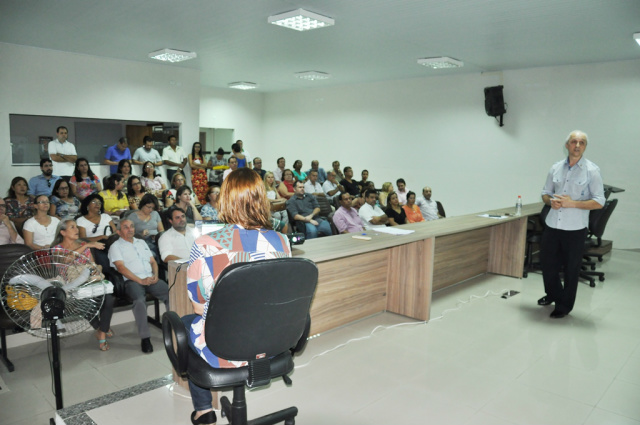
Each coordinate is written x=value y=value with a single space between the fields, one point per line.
x=559 y=396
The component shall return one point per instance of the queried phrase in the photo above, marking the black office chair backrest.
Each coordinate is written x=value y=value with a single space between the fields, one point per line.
x=9 y=254
x=598 y=219
x=259 y=309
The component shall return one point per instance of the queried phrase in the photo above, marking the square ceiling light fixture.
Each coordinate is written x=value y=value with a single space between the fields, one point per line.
x=243 y=85
x=312 y=75
x=441 y=62
x=301 y=20
x=636 y=37
x=172 y=55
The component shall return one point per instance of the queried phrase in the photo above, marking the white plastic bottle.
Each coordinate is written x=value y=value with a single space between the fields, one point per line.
x=519 y=206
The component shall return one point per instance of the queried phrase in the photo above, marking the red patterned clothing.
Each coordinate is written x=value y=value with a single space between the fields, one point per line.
x=210 y=255
x=199 y=182
x=86 y=186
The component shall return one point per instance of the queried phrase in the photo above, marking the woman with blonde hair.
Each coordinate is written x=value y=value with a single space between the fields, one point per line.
x=387 y=188
x=245 y=209
x=278 y=209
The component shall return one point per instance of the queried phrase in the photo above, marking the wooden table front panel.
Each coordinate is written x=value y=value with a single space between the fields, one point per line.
x=349 y=289
x=460 y=256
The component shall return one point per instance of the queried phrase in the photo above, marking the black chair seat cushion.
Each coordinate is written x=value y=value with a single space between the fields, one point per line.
x=203 y=375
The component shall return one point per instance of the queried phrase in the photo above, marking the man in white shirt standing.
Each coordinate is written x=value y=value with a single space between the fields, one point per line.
x=428 y=207
x=371 y=215
x=174 y=158
x=176 y=243
x=62 y=153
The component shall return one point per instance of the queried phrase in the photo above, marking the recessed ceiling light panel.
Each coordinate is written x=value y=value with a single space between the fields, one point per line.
x=301 y=20
x=172 y=55
x=243 y=85
x=312 y=75
x=441 y=62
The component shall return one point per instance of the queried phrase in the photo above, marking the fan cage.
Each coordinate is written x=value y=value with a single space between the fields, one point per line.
x=56 y=267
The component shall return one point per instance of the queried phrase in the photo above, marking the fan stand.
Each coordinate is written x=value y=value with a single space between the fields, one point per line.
x=57 y=379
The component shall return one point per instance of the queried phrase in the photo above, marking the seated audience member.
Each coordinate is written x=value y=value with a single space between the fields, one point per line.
x=40 y=230
x=297 y=171
x=387 y=188
x=371 y=215
x=233 y=165
x=146 y=220
x=151 y=181
x=217 y=160
x=236 y=152
x=115 y=201
x=176 y=243
x=322 y=175
x=177 y=181
x=402 y=191
x=63 y=203
x=337 y=170
x=94 y=224
x=364 y=179
x=279 y=170
x=84 y=182
x=257 y=167
x=185 y=201
x=279 y=214
x=286 y=187
x=135 y=192
x=346 y=218
x=42 y=184
x=245 y=153
x=8 y=232
x=245 y=209
x=209 y=210
x=124 y=168
x=117 y=153
x=135 y=262
x=312 y=186
x=304 y=210
x=350 y=185
x=411 y=209
x=394 y=211
x=20 y=206
x=428 y=207
x=331 y=186
x=146 y=152
x=67 y=237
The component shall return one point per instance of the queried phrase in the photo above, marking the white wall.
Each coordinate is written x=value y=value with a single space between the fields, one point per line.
x=234 y=109
x=434 y=131
x=48 y=82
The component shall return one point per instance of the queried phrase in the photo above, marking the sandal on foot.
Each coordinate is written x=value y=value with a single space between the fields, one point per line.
x=110 y=333
x=103 y=345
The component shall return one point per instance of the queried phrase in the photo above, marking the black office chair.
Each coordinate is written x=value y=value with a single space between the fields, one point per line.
x=259 y=313
x=440 y=209
x=8 y=255
x=597 y=224
x=535 y=227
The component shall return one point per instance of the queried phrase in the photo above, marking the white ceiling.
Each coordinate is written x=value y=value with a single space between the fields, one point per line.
x=372 y=40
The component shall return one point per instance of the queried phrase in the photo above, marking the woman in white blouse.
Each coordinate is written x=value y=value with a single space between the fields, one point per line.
x=40 y=230
x=151 y=180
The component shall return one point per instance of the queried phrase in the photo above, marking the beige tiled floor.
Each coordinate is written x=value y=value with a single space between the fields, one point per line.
x=486 y=361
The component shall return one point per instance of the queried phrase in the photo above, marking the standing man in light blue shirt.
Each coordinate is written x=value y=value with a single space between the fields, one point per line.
x=573 y=188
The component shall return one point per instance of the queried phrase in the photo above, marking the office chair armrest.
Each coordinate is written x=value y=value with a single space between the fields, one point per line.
x=302 y=342
x=172 y=327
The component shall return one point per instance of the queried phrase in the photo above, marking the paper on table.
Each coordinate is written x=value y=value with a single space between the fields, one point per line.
x=393 y=231
x=494 y=216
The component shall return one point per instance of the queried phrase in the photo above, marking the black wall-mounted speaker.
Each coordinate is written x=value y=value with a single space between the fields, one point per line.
x=494 y=101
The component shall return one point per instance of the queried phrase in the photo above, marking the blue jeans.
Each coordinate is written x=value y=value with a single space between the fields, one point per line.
x=200 y=397
x=311 y=231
